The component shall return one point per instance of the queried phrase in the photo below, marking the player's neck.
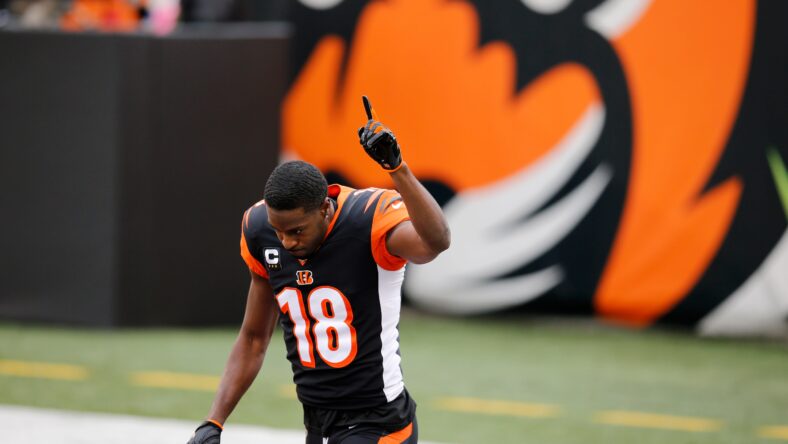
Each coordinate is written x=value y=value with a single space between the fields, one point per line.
x=330 y=213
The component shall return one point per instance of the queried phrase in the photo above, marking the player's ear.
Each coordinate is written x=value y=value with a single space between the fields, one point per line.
x=325 y=206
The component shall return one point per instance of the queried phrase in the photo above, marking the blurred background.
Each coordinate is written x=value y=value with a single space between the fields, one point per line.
x=613 y=172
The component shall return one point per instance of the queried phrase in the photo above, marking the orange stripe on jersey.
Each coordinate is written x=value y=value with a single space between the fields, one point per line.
x=397 y=437
x=340 y=193
x=251 y=262
x=389 y=213
x=372 y=199
x=389 y=202
x=245 y=223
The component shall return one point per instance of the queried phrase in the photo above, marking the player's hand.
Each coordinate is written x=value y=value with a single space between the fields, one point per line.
x=378 y=141
x=206 y=433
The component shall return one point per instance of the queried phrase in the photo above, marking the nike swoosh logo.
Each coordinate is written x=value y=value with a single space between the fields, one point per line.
x=396 y=205
x=780 y=175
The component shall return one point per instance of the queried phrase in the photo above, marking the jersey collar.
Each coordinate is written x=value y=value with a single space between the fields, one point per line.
x=340 y=194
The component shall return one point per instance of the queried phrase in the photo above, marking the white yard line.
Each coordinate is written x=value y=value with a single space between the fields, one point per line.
x=43 y=426
x=30 y=425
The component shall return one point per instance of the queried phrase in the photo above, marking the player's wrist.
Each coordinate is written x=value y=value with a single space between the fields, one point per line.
x=214 y=422
x=402 y=165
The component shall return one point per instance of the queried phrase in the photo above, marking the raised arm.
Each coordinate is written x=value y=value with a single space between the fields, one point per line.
x=245 y=359
x=427 y=234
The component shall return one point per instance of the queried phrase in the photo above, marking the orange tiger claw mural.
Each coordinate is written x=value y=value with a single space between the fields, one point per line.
x=431 y=94
x=592 y=156
x=670 y=230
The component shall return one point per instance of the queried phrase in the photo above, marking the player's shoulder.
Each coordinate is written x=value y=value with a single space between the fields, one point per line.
x=340 y=193
x=255 y=218
x=359 y=204
x=371 y=196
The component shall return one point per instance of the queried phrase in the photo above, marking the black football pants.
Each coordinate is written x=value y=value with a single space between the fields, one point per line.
x=369 y=435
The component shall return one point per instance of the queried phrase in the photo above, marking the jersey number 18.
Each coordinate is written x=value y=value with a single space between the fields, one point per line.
x=333 y=330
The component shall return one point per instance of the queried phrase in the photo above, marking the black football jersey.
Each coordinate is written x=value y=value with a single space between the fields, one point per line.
x=340 y=307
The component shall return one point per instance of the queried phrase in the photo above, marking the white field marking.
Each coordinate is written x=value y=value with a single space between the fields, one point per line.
x=496 y=407
x=774 y=432
x=43 y=370
x=171 y=380
x=658 y=421
x=45 y=426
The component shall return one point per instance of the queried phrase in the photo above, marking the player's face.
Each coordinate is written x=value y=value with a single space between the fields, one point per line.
x=301 y=232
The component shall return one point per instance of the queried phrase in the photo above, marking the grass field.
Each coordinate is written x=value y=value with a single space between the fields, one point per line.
x=476 y=381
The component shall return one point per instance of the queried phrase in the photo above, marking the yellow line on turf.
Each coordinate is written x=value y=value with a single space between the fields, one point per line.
x=183 y=381
x=44 y=370
x=657 y=421
x=774 y=432
x=496 y=407
x=288 y=391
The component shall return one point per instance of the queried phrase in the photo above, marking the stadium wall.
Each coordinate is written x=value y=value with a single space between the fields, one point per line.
x=127 y=162
x=623 y=159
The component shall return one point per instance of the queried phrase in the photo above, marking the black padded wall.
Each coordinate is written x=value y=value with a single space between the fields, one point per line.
x=126 y=163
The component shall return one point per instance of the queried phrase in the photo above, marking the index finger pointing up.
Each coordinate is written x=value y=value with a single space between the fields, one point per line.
x=371 y=115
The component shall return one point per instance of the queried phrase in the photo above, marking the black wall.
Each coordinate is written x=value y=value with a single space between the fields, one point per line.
x=126 y=163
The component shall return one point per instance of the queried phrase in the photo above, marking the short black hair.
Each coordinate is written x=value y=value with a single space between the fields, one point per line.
x=295 y=184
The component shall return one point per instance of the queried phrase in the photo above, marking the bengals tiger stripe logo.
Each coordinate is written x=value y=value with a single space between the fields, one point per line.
x=304 y=277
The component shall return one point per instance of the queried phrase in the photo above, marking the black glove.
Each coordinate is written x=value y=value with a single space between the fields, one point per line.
x=378 y=141
x=206 y=433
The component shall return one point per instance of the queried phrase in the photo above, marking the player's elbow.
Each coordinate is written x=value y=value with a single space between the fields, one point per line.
x=443 y=242
x=435 y=246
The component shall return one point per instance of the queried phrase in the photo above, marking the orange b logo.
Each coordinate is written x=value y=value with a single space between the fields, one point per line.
x=304 y=277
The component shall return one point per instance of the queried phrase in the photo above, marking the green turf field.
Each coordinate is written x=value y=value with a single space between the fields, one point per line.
x=530 y=381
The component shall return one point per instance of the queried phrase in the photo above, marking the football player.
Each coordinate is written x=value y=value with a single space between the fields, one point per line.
x=328 y=262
